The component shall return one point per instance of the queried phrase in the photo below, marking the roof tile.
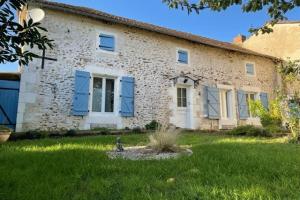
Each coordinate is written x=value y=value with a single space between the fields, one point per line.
x=99 y=15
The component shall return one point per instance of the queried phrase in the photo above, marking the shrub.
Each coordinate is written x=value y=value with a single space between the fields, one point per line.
x=44 y=134
x=71 y=133
x=275 y=130
x=271 y=119
x=164 y=140
x=153 y=125
x=102 y=130
x=267 y=117
x=31 y=135
x=248 y=130
x=137 y=130
x=55 y=135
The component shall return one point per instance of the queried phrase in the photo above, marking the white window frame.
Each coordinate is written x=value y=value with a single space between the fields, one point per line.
x=256 y=91
x=256 y=97
x=254 y=69
x=225 y=88
x=223 y=105
x=186 y=97
x=177 y=56
x=104 y=78
x=98 y=33
x=232 y=121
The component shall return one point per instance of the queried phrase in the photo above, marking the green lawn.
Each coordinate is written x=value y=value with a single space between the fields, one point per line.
x=220 y=168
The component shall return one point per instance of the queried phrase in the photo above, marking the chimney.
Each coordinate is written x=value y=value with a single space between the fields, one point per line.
x=239 y=39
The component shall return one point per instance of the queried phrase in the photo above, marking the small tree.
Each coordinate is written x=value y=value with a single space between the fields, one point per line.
x=14 y=35
x=275 y=9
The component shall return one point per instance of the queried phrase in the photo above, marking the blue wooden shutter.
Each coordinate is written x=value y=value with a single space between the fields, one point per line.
x=242 y=104
x=264 y=100
x=81 y=95
x=107 y=42
x=127 y=97
x=213 y=102
x=205 y=105
x=183 y=56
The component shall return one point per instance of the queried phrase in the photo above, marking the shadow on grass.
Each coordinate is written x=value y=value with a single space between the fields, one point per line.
x=220 y=168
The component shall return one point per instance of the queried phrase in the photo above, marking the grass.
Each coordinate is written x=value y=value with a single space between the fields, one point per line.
x=221 y=167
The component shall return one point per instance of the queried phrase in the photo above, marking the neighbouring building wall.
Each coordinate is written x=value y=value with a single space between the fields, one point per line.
x=151 y=58
x=282 y=43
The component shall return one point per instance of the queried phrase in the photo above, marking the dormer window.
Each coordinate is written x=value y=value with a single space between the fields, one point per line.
x=107 y=42
x=182 y=57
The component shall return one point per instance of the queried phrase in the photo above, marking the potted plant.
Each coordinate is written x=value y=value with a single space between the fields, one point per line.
x=4 y=133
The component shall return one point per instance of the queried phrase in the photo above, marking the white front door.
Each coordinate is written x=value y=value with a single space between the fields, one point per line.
x=183 y=107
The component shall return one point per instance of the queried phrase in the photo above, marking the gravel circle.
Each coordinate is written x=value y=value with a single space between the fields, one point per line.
x=144 y=153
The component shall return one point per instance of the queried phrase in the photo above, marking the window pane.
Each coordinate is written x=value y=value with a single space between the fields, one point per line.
x=252 y=97
x=223 y=103
x=247 y=100
x=179 y=102
x=250 y=69
x=183 y=102
x=183 y=92
x=183 y=97
x=97 y=95
x=109 y=95
x=228 y=104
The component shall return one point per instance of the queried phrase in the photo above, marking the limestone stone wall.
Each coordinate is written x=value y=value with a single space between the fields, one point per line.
x=46 y=94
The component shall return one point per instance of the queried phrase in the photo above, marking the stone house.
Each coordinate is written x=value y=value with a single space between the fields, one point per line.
x=117 y=72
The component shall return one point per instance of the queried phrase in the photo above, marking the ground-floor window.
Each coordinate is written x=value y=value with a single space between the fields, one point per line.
x=226 y=104
x=250 y=96
x=103 y=94
x=181 y=97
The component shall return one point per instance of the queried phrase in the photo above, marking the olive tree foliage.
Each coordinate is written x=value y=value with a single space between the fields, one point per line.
x=15 y=35
x=276 y=9
x=290 y=70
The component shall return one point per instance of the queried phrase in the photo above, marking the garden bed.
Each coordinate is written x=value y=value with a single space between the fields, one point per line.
x=146 y=153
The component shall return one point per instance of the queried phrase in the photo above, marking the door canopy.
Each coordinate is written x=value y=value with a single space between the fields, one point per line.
x=186 y=79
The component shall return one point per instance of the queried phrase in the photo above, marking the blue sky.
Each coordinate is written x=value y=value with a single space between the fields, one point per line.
x=217 y=25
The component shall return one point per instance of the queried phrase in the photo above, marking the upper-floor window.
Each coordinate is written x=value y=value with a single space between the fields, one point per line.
x=183 y=56
x=250 y=69
x=107 y=42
